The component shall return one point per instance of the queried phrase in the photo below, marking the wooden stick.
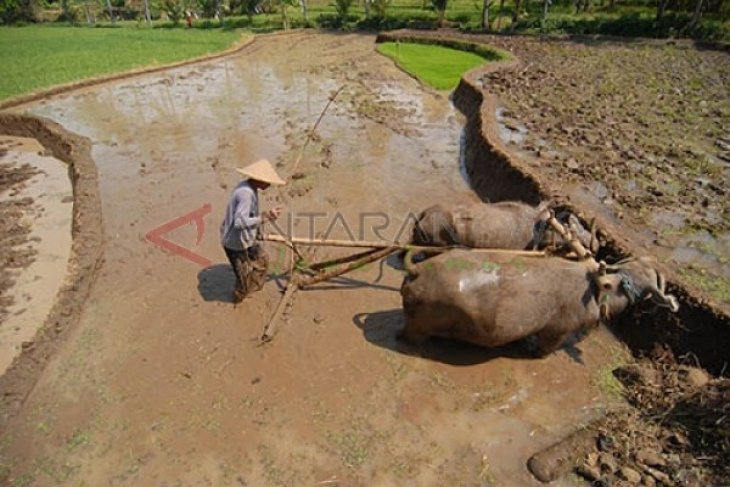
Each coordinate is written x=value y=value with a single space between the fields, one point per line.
x=323 y=276
x=295 y=284
x=270 y=328
x=383 y=245
x=314 y=128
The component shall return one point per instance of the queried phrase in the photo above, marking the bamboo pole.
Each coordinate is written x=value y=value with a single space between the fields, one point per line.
x=270 y=328
x=340 y=260
x=293 y=284
x=323 y=276
x=314 y=128
x=325 y=242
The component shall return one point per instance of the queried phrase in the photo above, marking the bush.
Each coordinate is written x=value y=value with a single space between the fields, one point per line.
x=342 y=7
x=335 y=21
x=207 y=8
x=175 y=10
x=380 y=8
x=630 y=25
x=14 y=11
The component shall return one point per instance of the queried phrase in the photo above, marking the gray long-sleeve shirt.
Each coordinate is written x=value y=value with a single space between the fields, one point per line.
x=242 y=220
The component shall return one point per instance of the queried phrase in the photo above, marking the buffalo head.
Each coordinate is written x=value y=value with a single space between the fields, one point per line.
x=630 y=281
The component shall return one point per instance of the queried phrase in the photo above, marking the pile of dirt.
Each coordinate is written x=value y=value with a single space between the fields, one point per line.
x=677 y=431
x=15 y=253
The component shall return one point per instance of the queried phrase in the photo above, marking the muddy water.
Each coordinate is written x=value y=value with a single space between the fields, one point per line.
x=163 y=381
x=36 y=286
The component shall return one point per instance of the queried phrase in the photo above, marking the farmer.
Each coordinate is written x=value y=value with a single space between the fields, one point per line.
x=241 y=228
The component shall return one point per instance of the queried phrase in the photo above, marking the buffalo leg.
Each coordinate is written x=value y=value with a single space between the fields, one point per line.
x=549 y=340
x=410 y=332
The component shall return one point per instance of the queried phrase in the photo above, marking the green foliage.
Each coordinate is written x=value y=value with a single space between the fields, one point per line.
x=175 y=9
x=440 y=7
x=38 y=57
x=336 y=21
x=635 y=24
x=438 y=66
x=342 y=8
x=14 y=11
x=245 y=7
x=207 y=8
x=380 y=8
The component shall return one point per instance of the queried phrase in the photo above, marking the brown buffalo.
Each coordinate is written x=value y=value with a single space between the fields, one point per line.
x=504 y=225
x=491 y=300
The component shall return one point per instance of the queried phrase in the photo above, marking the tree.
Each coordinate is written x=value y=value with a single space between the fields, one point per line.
x=545 y=5
x=208 y=8
x=380 y=7
x=147 y=16
x=698 y=12
x=175 y=10
x=440 y=7
x=342 y=8
x=111 y=12
x=499 y=14
x=247 y=7
x=68 y=13
x=485 y=14
x=89 y=17
x=661 y=7
x=516 y=13
x=12 y=11
x=284 y=5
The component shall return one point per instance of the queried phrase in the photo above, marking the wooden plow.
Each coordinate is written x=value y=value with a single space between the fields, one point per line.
x=302 y=275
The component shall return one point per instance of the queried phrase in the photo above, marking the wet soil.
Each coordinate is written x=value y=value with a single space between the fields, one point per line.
x=16 y=212
x=163 y=381
x=34 y=275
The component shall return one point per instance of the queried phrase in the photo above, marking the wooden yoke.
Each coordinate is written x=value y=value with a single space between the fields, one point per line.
x=568 y=236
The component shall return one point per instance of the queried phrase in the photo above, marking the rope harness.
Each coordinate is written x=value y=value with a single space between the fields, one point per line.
x=627 y=284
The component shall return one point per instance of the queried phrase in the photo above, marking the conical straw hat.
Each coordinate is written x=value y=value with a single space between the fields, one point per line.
x=263 y=171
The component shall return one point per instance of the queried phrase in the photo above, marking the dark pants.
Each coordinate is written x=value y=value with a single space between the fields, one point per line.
x=250 y=267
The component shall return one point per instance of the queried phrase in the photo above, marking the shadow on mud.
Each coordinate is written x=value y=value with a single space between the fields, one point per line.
x=382 y=328
x=216 y=283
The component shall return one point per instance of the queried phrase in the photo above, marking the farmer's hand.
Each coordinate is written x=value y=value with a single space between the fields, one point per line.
x=272 y=214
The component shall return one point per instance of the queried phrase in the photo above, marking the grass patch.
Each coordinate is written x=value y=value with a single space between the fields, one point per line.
x=717 y=286
x=605 y=381
x=437 y=66
x=37 y=57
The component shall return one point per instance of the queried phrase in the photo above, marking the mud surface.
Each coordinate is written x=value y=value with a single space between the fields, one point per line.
x=16 y=211
x=163 y=382
x=37 y=235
